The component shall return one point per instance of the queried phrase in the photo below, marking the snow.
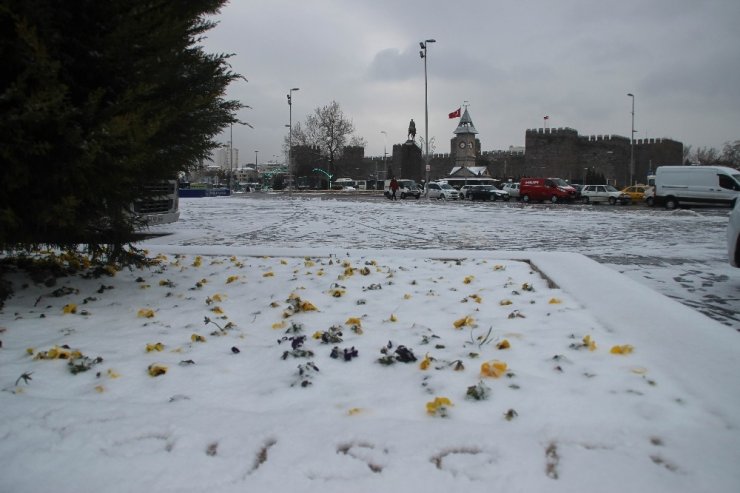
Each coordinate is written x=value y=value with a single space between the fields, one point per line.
x=561 y=417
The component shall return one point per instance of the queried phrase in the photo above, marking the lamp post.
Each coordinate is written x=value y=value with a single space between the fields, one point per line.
x=231 y=152
x=256 y=156
x=290 y=139
x=385 y=154
x=632 y=142
x=423 y=55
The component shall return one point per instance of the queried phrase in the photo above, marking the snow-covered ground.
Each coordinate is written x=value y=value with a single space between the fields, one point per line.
x=443 y=351
x=682 y=253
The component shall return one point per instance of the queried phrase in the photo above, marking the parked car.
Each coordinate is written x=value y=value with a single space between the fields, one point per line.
x=442 y=191
x=636 y=192
x=465 y=191
x=407 y=189
x=733 y=236
x=488 y=192
x=550 y=189
x=512 y=189
x=603 y=193
x=709 y=185
x=649 y=195
x=578 y=188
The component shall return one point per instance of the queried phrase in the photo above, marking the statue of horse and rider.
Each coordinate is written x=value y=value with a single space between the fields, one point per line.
x=412 y=130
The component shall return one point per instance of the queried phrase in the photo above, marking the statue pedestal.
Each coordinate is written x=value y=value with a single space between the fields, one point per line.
x=411 y=163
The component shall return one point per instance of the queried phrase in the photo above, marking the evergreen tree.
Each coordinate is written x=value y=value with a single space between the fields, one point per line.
x=98 y=98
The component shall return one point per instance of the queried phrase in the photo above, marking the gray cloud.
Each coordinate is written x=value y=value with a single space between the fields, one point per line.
x=574 y=60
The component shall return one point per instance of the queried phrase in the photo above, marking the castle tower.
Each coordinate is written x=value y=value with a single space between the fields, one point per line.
x=464 y=146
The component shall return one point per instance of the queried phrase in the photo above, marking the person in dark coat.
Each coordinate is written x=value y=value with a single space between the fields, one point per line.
x=394 y=188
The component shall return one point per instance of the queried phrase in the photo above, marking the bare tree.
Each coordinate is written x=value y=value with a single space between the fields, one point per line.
x=687 y=154
x=731 y=154
x=357 y=141
x=329 y=130
x=707 y=155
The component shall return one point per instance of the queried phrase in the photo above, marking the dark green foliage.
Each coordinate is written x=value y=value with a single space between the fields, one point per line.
x=99 y=97
x=594 y=177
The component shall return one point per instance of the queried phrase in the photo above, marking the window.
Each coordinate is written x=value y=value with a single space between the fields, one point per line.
x=726 y=182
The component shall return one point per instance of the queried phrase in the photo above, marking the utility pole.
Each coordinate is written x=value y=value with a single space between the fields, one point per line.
x=231 y=153
x=290 y=140
x=385 y=154
x=632 y=143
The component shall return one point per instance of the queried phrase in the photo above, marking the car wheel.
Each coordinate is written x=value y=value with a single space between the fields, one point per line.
x=649 y=201
x=585 y=200
x=506 y=199
x=553 y=199
x=525 y=198
x=417 y=197
x=443 y=197
x=612 y=201
x=671 y=203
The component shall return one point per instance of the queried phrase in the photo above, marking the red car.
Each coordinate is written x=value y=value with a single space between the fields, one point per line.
x=546 y=189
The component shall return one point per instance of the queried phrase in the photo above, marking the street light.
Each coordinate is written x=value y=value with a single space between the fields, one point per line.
x=632 y=141
x=423 y=54
x=385 y=153
x=231 y=152
x=256 y=156
x=290 y=139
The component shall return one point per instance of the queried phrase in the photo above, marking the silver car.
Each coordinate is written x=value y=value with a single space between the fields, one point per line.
x=512 y=189
x=442 y=191
x=603 y=193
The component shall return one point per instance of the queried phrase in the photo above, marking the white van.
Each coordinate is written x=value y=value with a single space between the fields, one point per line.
x=684 y=185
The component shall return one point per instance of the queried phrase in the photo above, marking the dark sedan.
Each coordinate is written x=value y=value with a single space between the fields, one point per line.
x=488 y=192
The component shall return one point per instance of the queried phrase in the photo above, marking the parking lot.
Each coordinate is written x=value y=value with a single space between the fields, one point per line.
x=680 y=253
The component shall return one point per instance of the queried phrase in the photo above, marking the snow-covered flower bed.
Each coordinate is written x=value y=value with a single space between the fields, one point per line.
x=353 y=372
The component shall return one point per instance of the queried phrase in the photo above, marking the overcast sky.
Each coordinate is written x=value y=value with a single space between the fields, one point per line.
x=513 y=61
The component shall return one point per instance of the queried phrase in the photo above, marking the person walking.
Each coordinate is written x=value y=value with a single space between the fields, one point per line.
x=394 y=188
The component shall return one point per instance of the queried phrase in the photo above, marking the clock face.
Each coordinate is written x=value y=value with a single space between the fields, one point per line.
x=462 y=145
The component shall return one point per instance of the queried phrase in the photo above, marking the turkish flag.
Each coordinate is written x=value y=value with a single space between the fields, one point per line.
x=455 y=114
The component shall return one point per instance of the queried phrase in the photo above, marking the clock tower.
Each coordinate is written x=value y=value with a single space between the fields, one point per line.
x=465 y=147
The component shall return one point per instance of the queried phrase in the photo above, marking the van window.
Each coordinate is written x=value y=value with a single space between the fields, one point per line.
x=727 y=182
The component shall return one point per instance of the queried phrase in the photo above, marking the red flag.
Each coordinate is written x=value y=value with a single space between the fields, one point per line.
x=547 y=117
x=455 y=114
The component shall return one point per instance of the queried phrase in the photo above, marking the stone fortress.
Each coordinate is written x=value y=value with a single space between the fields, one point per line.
x=548 y=152
x=563 y=153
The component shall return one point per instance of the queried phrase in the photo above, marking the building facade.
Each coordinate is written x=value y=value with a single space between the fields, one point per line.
x=221 y=157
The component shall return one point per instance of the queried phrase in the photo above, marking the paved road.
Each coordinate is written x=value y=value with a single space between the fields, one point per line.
x=679 y=253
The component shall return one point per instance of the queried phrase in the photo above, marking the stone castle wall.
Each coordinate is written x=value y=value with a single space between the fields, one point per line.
x=560 y=152
x=563 y=153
